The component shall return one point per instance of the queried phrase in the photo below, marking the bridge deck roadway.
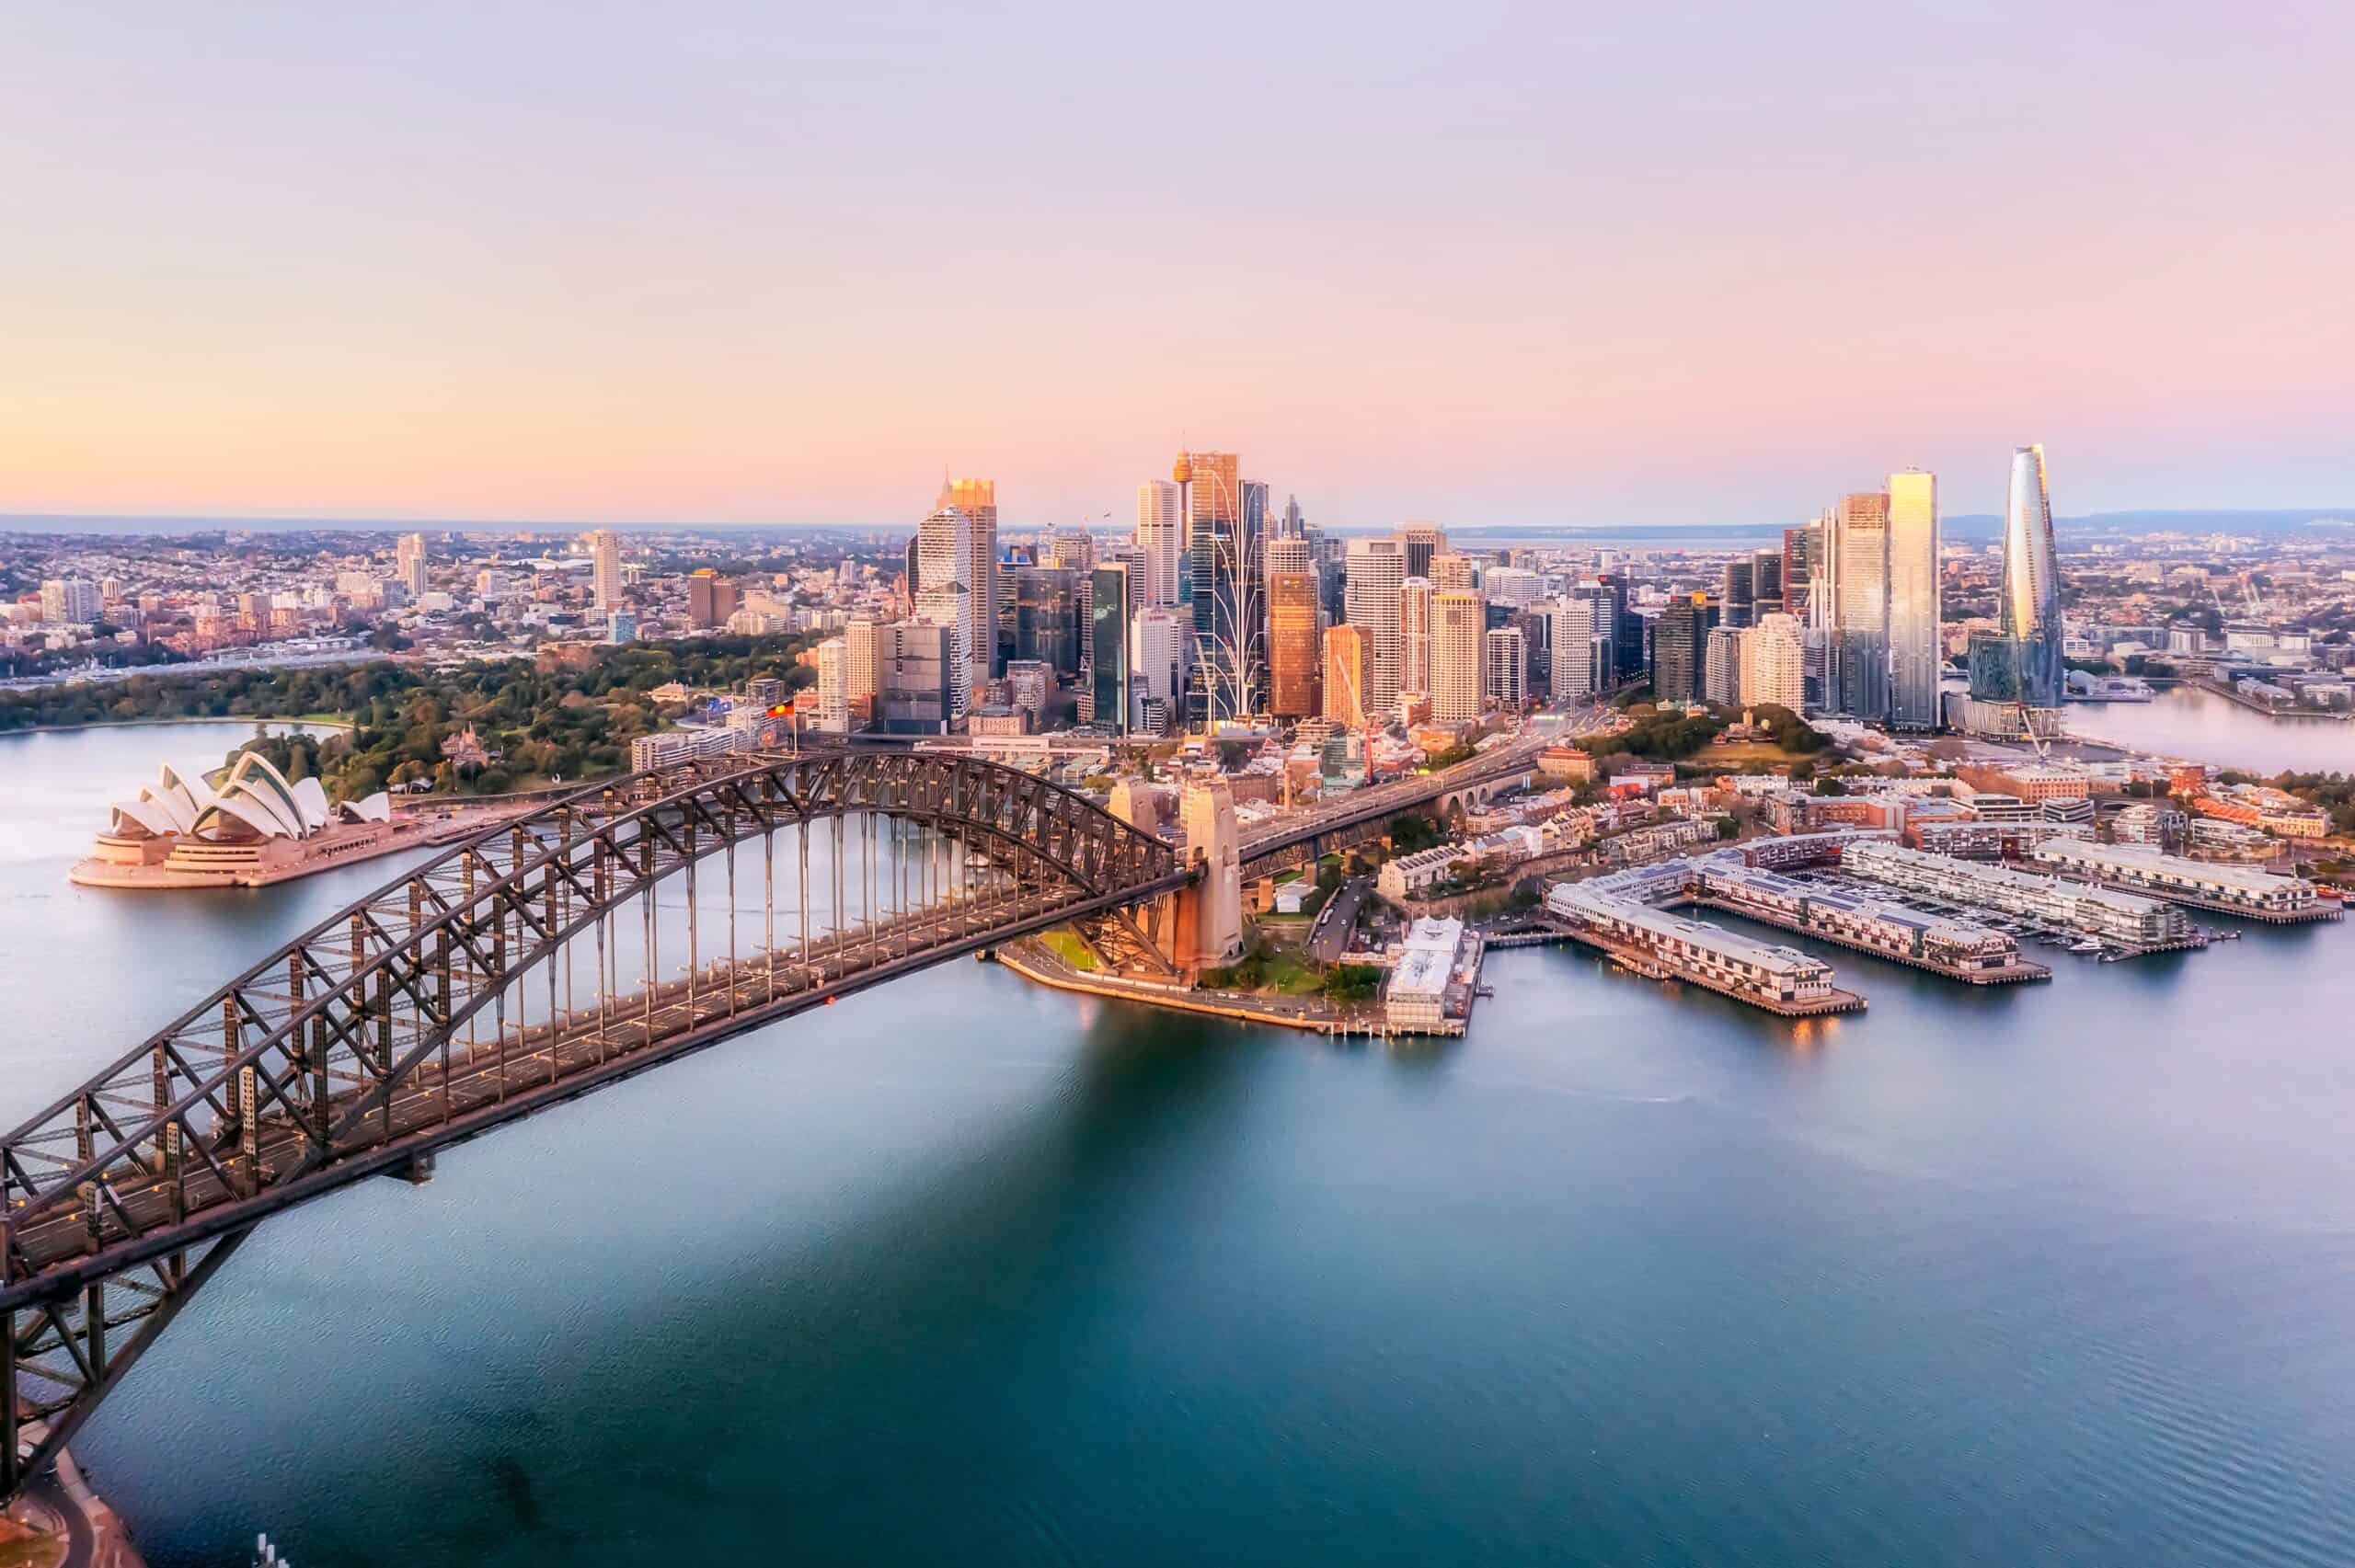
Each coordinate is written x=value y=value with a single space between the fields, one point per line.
x=468 y=1088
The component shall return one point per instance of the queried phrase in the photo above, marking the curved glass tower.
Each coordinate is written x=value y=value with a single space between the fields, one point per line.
x=2031 y=608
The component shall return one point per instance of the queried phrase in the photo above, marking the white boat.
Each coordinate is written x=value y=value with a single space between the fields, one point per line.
x=2088 y=945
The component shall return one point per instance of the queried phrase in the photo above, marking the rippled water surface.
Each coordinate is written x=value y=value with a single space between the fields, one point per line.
x=965 y=1271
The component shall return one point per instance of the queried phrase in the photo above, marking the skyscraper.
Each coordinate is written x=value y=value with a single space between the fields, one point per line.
x=1738 y=597
x=1446 y=569
x=1721 y=665
x=1161 y=534
x=1859 y=556
x=1915 y=652
x=946 y=567
x=1796 y=566
x=1108 y=673
x=1415 y=635
x=1377 y=574
x=1345 y=675
x=1423 y=540
x=1766 y=583
x=409 y=560
x=1677 y=649
x=1295 y=649
x=1774 y=662
x=2030 y=610
x=1226 y=527
x=1580 y=639
x=1459 y=620
x=1504 y=667
x=976 y=501
x=605 y=567
x=1293 y=525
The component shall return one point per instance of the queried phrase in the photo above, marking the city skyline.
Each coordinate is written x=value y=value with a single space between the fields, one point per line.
x=1546 y=273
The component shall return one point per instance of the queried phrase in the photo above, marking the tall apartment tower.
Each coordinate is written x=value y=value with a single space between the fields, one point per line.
x=863 y=646
x=1345 y=661
x=976 y=501
x=1915 y=652
x=1679 y=641
x=1774 y=662
x=947 y=568
x=408 y=558
x=1295 y=647
x=1860 y=603
x=1446 y=569
x=1580 y=641
x=605 y=567
x=1161 y=535
x=1377 y=574
x=2030 y=610
x=1504 y=666
x=1415 y=597
x=1459 y=620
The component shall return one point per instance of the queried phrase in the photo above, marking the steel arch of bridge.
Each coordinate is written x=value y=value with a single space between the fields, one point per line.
x=338 y=1057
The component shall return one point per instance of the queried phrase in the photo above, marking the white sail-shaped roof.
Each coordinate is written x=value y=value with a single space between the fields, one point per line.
x=377 y=808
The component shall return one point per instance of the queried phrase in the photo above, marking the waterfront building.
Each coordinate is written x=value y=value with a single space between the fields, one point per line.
x=2241 y=889
x=1774 y=662
x=1611 y=908
x=1859 y=557
x=1161 y=535
x=2031 y=604
x=1915 y=653
x=1458 y=622
x=1434 y=959
x=605 y=569
x=1377 y=574
x=2126 y=918
x=1345 y=676
x=1504 y=667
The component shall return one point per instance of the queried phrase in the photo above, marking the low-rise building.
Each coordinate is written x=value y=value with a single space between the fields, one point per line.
x=2126 y=918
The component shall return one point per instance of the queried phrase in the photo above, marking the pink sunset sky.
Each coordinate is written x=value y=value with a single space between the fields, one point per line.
x=1480 y=263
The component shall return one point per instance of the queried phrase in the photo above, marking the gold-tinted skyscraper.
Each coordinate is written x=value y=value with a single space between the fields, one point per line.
x=1294 y=648
x=1345 y=676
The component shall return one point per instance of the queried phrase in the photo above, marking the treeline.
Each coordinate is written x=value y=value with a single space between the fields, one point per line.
x=1671 y=737
x=542 y=725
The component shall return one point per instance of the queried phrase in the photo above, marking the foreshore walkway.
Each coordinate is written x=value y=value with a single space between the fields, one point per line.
x=1035 y=962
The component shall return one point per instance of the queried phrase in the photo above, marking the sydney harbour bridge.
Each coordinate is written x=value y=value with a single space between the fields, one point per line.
x=612 y=931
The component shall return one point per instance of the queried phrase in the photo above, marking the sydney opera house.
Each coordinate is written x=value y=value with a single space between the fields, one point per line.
x=250 y=826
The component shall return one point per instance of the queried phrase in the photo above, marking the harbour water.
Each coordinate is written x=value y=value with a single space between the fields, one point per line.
x=963 y=1270
x=2183 y=721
